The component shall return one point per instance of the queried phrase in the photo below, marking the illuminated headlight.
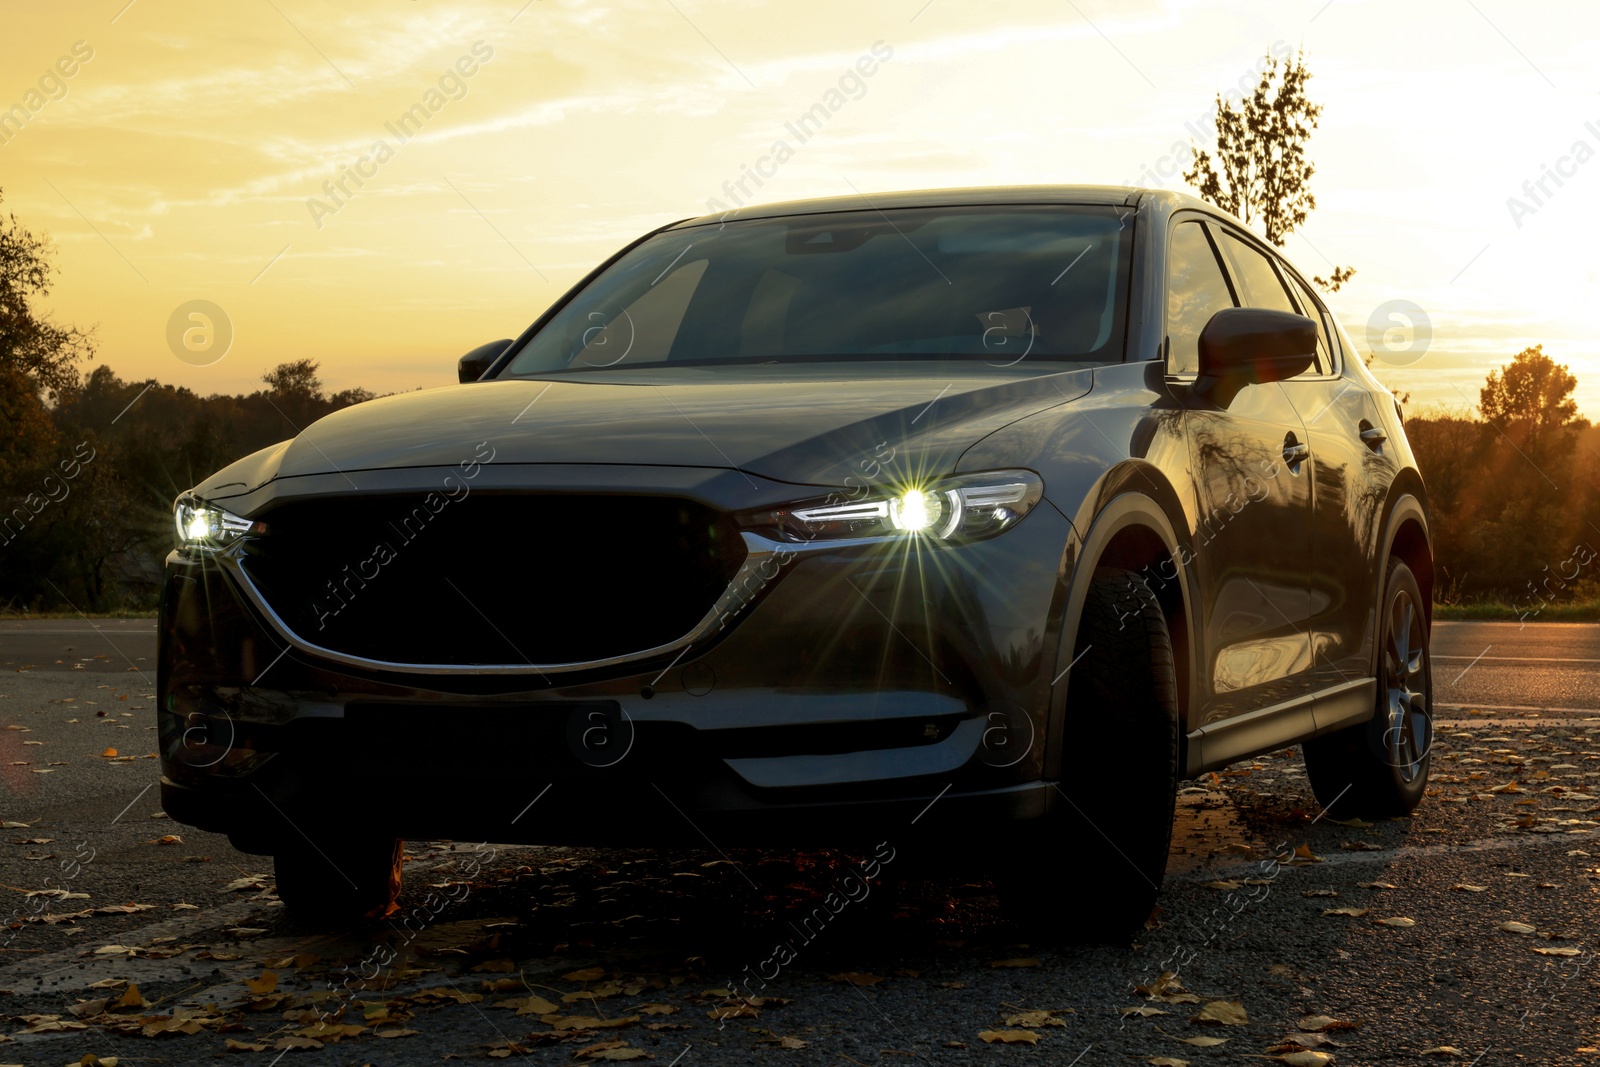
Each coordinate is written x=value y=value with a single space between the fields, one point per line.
x=203 y=527
x=953 y=509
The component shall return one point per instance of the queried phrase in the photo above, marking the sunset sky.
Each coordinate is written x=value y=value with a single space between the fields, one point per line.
x=185 y=156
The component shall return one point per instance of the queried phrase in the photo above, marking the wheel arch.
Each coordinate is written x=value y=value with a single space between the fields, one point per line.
x=1408 y=535
x=1130 y=528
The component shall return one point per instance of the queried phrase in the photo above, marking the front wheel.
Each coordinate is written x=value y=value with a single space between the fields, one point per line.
x=339 y=883
x=1380 y=767
x=1091 y=870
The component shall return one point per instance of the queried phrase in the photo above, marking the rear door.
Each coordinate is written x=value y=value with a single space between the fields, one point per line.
x=1351 y=470
x=1252 y=521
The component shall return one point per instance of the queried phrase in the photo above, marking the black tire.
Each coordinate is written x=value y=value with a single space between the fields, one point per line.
x=1380 y=768
x=1092 y=869
x=339 y=883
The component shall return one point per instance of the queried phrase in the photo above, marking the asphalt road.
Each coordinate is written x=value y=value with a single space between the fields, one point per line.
x=923 y=968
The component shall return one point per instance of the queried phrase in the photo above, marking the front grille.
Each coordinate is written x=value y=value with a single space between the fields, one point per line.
x=492 y=578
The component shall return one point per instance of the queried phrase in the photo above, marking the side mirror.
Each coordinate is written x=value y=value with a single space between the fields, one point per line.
x=474 y=363
x=1248 y=346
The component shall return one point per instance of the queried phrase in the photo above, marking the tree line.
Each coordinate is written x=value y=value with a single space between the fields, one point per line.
x=90 y=464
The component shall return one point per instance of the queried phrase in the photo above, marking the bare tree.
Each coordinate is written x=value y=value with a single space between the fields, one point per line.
x=1261 y=147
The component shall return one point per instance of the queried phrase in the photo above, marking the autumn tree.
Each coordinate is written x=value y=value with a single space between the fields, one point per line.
x=1531 y=397
x=1265 y=178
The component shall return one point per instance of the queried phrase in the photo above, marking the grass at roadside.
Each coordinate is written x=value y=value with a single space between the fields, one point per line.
x=1486 y=610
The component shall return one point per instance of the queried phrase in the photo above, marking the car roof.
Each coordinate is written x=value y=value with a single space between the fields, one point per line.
x=1105 y=195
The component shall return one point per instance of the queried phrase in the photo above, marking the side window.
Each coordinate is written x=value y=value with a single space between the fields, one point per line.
x=1196 y=290
x=1262 y=286
x=1312 y=310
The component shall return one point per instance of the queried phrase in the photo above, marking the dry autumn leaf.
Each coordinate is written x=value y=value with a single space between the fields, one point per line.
x=1354 y=913
x=792 y=1043
x=1035 y=1018
x=1008 y=1037
x=131 y=998
x=1463 y=887
x=1166 y=1061
x=587 y=974
x=1141 y=1011
x=263 y=985
x=1442 y=1050
x=1306 y=1058
x=1222 y=1013
x=245 y=1046
x=397 y=1032
x=1398 y=920
x=1514 y=927
x=1558 y=952
x=534 y=1005
x=1312 y=1024
x=1204 y=1042
x=109 y=753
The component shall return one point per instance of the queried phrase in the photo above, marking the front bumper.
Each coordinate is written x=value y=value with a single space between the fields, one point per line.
x=858 y=689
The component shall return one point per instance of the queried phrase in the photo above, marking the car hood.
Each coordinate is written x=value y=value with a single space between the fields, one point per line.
x=806 y=425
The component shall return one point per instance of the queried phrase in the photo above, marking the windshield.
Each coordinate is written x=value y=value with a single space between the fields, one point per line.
x=997 y=284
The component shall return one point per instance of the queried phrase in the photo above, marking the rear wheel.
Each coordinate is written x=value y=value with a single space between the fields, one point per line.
x=1092 y=868
x=1380 y=767
x=336 y=883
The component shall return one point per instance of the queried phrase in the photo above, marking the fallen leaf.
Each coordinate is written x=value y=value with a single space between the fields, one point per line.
x=1009 y=1037
x=1462 y=887
x=1306 y=1058
x=1354 y=913
x=400 y=1032
x=1313 y=1024
x=109 y=753
x=534 y=1005
x=1224 y=885
x=1166 y=1061
x=263 y=985
x=792 y=1042
x=1223 y=1013
x=1558 y=952
x=297 y=1042
x=1398 y=920
x=1035 y=1018
x=1204 y=1042
x=245 y=1046
x=130 y=998
x=1514 y=927
x=1442 y=1050
x=500 y=966
x=1302 y=855
x=1141 y=1011
x=587 y=974
x=585 y=1022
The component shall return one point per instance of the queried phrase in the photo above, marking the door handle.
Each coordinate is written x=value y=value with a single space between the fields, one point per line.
x=1371 y=436
x=1294 y=452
